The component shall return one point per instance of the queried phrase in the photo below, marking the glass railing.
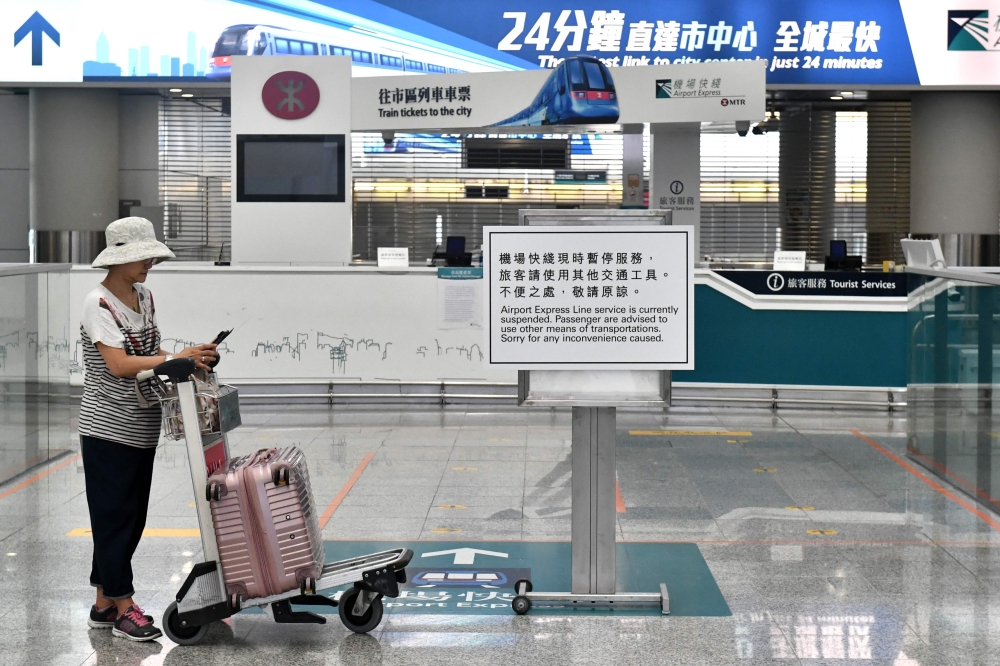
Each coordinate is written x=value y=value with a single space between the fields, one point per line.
x=35 y=362
x=954 y=356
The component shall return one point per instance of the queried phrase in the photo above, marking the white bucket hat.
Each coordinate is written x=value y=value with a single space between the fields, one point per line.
x=131 y=239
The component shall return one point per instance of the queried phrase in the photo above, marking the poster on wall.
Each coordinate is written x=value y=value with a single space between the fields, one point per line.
x=827 y=42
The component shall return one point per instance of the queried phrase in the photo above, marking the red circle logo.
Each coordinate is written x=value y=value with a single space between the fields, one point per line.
x=290 y=95
x=725 y=102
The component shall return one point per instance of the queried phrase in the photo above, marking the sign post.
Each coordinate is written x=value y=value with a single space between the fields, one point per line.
x=592 y=307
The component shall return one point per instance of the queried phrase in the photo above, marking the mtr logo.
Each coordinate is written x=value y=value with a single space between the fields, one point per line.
x=290 y=95
x=733 y=102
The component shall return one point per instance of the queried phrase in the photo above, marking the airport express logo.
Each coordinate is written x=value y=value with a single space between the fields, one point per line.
x=695 y=88
x=973 y=30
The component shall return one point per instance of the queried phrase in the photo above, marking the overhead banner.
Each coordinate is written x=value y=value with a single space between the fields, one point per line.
x=826 y=42
x=580 y=91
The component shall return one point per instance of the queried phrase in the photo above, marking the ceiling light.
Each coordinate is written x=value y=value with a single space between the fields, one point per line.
x=175 y=90
x=832 y=97
x=847 y=93
x=192 y=95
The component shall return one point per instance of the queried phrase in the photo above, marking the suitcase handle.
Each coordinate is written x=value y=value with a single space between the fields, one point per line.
x=264 y=455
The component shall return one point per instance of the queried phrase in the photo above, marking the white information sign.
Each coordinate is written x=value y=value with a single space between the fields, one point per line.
x=394 y=257
x=590 y=297
x=787 y=260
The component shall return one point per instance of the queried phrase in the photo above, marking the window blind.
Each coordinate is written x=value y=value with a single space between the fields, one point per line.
x=887 y=203
x=414 y=192
x=195 y=177
x=817 y=173
x=739 y=195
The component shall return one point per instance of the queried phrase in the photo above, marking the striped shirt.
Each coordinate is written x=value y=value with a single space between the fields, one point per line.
x=110 y=408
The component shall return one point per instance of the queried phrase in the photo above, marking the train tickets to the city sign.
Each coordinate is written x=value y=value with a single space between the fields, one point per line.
x=589 y=297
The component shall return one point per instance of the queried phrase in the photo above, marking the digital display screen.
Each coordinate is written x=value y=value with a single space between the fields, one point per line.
x=290 y=167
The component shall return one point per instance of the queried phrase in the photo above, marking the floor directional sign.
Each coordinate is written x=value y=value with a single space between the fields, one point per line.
x=477 y=578
x=40 y=41
x=464 y=555
x=37 y=27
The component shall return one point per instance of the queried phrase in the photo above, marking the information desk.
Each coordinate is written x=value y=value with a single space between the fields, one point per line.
x=750 y=333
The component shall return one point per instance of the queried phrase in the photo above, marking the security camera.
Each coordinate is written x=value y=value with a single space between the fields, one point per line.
x=388 y=137
x=742 y=127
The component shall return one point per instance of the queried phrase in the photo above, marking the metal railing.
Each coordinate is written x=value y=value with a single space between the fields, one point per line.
x=774 y=397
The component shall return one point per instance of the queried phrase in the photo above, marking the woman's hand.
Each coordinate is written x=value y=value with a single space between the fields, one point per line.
x=202 y=355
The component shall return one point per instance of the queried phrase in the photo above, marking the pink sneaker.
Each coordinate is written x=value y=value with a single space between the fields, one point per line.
x=134 y=625
x=103 y=618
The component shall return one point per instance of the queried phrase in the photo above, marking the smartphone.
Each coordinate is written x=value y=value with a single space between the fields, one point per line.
x=218 y=339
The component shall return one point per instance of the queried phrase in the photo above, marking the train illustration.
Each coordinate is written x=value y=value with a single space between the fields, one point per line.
x=580 y=90
x=263 y=40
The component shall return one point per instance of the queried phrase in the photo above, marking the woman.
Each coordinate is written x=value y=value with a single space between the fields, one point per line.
x=118 y=437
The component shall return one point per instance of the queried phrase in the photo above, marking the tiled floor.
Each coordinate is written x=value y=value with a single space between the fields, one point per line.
x=903 y=574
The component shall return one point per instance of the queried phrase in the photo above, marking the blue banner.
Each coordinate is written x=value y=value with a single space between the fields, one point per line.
x=820 y=42
x=832 y=42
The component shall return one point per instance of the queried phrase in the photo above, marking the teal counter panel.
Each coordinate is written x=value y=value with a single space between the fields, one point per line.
x=739 y=345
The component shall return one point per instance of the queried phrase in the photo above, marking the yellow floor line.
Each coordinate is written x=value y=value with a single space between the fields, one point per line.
x=148 y=532
x=685 y=433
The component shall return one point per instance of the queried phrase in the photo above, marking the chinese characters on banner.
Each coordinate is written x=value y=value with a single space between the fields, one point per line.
x=565 y=297
x=423 y=95
x=649 y=41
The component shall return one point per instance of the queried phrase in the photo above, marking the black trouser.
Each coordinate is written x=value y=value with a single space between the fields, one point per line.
x=118 y=481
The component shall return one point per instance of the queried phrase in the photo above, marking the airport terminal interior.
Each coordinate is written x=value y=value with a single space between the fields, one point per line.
x=382 y=332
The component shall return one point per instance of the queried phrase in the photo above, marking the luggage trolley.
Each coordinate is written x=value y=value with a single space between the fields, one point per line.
x=189 y=396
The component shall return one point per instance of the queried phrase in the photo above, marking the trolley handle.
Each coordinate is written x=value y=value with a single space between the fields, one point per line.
x=177 y=368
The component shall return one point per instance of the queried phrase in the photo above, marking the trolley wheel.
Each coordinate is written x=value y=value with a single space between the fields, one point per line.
x=180 y=634
x=521 y=604
x=281 y=476
x=359 y=624
x=308 y=586
x=527 y=585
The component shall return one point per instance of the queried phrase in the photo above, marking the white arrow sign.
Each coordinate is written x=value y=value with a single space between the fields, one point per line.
x=464 y=555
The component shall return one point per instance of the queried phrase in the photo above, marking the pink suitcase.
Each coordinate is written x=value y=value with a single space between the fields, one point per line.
x=266 y=524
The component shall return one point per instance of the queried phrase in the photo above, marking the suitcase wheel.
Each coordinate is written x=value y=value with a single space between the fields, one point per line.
x=281 y=476
x=308 y=586
x=213 y=492
x=235 y=603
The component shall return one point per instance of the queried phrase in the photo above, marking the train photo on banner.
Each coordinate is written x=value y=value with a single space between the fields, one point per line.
x=264 y=40
x=580 y=90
